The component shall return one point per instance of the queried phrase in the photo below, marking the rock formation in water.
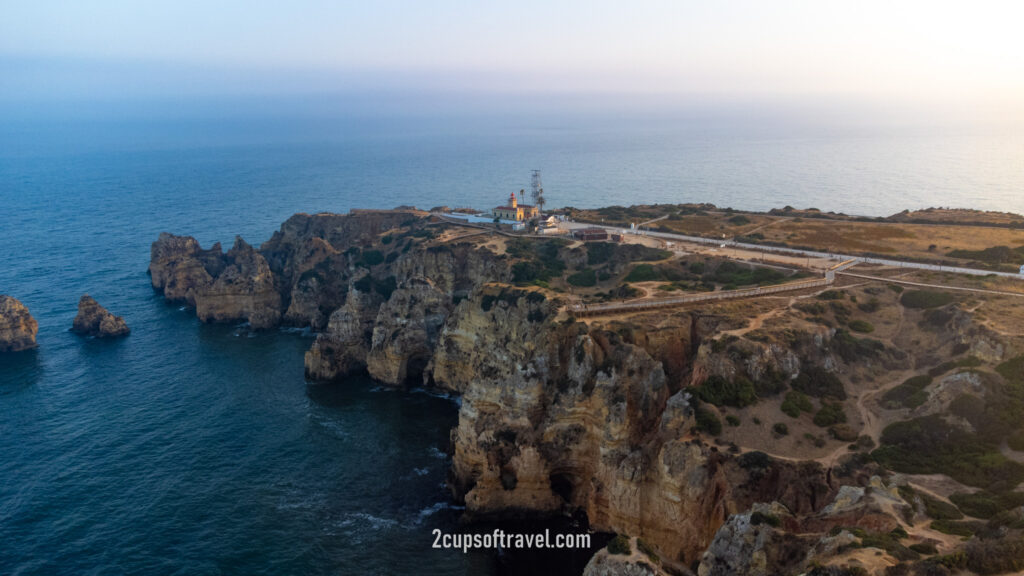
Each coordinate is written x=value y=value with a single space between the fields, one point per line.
x=619 y=419
x=95 y=320
x=18 y=328
x=233 y=287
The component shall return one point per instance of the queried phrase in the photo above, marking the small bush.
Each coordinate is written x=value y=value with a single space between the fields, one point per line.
x=820 y=383
x=707 y=421
x=832 y=295
x=643 y=273
x=721 y=392
x=647 y=549
x=371 y=258
x=910 y=393
x=871 y=306
x=861 y=326
x=939 y=510
x=758 y=518
x=965 y=529
x=923 y=299
x=620 y=545
x=795 y=403
x=829 y=415
x=924 y=548
x=985 y=504
x=732 y=420
x=781 y=429
x=584 y=278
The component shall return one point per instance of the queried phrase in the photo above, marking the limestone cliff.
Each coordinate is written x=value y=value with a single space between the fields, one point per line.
x=17 y=327
x=95 y=320
x=244 y=290
x=232 y=287
x=617 y=419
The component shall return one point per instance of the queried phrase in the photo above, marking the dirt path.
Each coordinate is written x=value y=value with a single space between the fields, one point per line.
x=758 y=321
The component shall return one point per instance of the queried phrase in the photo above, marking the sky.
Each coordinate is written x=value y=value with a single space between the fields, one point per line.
x=967 y=56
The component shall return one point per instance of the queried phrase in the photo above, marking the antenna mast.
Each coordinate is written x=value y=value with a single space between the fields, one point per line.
x=537 y=190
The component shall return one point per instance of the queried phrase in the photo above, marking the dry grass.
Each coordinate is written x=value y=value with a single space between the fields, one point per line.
x=838 y=233
x=899 y=240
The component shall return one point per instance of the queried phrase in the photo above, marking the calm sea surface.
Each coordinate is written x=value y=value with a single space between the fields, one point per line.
x=192 y=449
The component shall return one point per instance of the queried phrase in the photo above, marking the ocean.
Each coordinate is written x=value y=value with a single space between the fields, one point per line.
x=200 y=449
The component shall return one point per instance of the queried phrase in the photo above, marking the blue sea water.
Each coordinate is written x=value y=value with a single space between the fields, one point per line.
x=195 y=449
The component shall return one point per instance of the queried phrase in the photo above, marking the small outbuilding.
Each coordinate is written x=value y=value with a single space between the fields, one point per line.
x=591 y=234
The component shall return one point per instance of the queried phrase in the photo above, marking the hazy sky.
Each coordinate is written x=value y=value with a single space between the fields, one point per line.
x=963 y=53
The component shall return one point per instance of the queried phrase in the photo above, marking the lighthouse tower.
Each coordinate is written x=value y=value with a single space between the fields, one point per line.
x=512 y=202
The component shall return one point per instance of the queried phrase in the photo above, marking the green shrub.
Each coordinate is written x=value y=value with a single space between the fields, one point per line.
x=620 y=545
x=888 y=541
x=721 y=392
x=795 y=403
x=599 y=252
x=758 y=518
x=923 y=299
x=383 y=287
x=994 y=255
x=739 y=220
x=996 y=556
x=706 y=421
x=584 y=278
x=371 y=258
x=851 y=348
x=732 y=274
x=953 y=528
x=820 y=383
x=830 y=414
x=871 y=306
x=924 y=548
x=986 y=504
x=1012 y=370
x=647 y=549
x=930 y=445
x=732 y=420
x=910 y=393
x=1016 y=441
x=781 y=429
x=939 y=510
x=832 y=295
x=644 y=273
x=861 y=326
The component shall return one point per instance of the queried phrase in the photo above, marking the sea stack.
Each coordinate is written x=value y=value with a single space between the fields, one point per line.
x=17 y=327
x=95 y=320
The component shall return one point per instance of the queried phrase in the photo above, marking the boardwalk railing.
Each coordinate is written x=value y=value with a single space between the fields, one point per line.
x=611 y=307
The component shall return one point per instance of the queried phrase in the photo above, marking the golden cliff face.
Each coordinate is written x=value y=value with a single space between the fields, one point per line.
x=559 y=417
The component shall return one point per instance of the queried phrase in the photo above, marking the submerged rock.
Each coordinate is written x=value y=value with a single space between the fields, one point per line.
x=95 y=320
x=17 y=327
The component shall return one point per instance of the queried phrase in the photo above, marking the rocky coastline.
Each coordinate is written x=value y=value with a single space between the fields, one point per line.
x=609 y=418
